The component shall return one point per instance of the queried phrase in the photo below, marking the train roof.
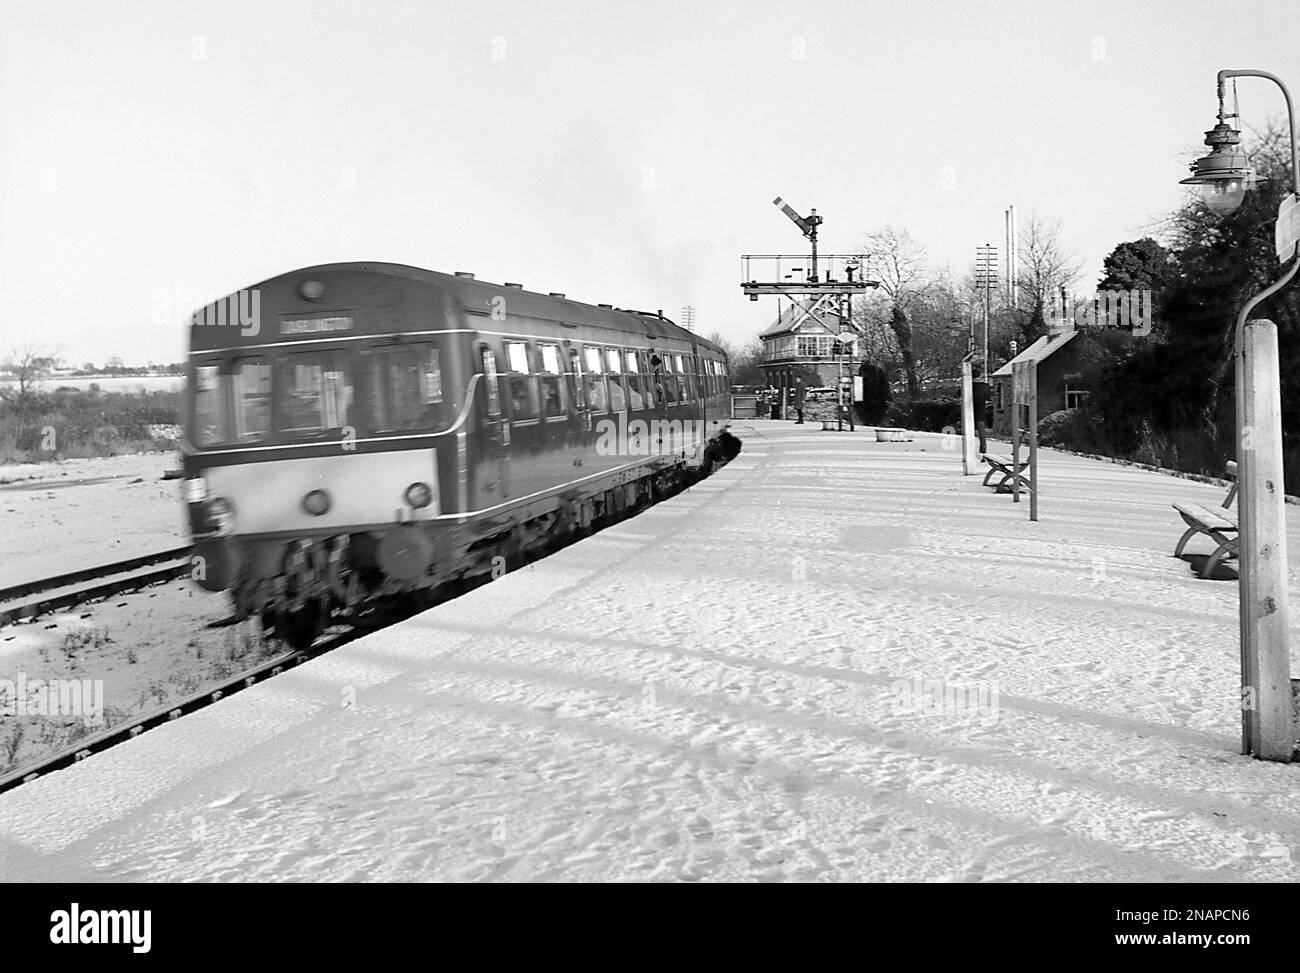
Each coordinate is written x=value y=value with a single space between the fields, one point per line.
x=470 y=292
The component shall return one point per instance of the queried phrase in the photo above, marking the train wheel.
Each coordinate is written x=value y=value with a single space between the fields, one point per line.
x=302 y=627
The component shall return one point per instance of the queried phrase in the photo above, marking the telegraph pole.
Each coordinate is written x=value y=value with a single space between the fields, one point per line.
x=986 y=278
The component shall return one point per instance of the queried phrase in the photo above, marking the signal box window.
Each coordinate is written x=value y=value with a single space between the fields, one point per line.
x=402 y=387
x=523 y=389
x=549 y=377
x=595 y=381
x=317 y=387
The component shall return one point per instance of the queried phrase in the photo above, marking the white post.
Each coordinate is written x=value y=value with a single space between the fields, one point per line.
x=1268 y=719
x=1032 y=369
x=1017 y=374
x=970 y=459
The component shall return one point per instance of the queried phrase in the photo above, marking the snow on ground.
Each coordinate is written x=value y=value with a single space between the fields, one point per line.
x=63 y=516
x=718 y=690
x=148 y=648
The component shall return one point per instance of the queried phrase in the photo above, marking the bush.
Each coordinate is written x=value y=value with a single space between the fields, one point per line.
x=92 y=423
x=1075 y=429
x=924 y=415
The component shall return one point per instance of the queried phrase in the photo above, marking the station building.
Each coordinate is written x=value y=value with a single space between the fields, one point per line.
x=1064 y=357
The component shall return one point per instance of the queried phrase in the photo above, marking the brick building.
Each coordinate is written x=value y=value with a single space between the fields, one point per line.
x=802 y=336
x=1063 y=358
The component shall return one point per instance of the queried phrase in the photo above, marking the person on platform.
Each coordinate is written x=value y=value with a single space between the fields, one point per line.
x=798 y=394
x=980 y=392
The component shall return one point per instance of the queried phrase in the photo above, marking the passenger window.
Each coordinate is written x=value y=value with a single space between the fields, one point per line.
x=595 y=381
x=317 y=392
x=576 y=390
x=635 y=397
x=491 y=383
x=549 y=377
x=523 y=388
x=666 y=381
x=647 y=378
x=617 y=391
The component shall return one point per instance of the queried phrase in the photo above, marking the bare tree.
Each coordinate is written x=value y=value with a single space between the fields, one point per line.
x=1044 y=264
x=894 y=258
x=28 y=363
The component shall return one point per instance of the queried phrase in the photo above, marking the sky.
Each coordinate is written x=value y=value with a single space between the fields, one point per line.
x=154 y=155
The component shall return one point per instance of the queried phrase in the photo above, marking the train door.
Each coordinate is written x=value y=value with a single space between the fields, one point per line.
x=496 y=427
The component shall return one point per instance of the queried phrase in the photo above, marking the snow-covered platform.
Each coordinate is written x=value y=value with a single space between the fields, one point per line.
x=733 y=685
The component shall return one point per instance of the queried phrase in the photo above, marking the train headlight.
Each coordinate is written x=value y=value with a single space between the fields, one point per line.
x=419 y=495
x=221 y=515
x=311 y=290
x=196 y=490
x=316 y=503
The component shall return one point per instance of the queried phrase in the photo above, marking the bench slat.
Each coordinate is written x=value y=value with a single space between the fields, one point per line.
x=1205 y=516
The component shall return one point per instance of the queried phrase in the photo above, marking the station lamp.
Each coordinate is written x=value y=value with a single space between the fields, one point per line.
x=1223 y=176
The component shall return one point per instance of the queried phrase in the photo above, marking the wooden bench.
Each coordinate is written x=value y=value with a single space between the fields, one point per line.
x=1219 y=523
x=1003 y=465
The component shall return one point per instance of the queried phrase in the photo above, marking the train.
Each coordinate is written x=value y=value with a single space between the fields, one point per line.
x=361 y=431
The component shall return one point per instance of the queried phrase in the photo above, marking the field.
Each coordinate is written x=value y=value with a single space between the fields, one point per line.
x=68 y=423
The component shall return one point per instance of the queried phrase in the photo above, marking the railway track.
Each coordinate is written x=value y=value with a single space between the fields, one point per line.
x=129 y=575
x=172 y=711
x=98 y=742
x=102 y=740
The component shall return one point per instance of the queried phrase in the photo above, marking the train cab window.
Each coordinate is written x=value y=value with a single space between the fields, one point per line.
x=317 y=394
x=402 y=387
x=232 y=402
x=595 y=380
x=523 y=386
x=491 y=382
x=549 y=376
x=209 y=409
x=635 y=394
x=617 y=390
x=251 y=398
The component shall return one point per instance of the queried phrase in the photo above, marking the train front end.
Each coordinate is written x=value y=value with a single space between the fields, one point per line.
x=321 y=419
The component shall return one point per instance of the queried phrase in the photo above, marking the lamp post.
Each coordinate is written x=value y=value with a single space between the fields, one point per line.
x=1267 y=727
